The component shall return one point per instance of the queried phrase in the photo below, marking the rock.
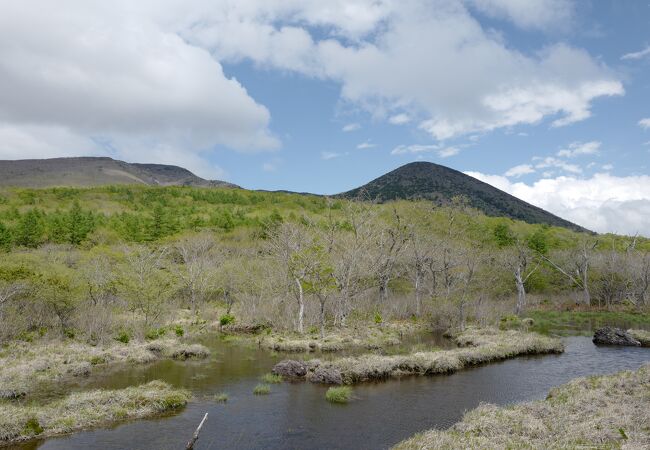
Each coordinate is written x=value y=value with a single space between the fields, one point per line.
x=11 y=395
x=326 y=375
x=614 y=336
x=290 y=368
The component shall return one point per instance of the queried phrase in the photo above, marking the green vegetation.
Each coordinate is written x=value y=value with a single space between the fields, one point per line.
x=262 y=389
x=572 y=322
x=339 y=394
x=271 y=378
x=221 y=397
x=595 y=412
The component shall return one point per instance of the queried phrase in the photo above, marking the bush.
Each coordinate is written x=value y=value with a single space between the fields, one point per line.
x=154 y=333
x=378 y=318
x=179 y=331
x=262 y=389
x=226 y=319
x=339 y=394
x=123 y=337
x=32 y=427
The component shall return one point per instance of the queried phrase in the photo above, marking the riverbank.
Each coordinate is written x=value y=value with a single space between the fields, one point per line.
x=478 y=346
x=585 y=322
x=608 y=411
x=24 y=366
x=19 y=422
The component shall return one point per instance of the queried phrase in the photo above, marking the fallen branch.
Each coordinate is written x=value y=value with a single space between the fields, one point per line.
x=190 y=445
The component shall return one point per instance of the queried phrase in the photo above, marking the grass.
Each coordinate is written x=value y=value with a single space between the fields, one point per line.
x=24 y=366
x=262 y=389
x=339 y=394
x=271 y=378
x=478 y=346
x=221 y=397
x=77 y=411
x=594 y=412
x=585 y=322
x=642 y=336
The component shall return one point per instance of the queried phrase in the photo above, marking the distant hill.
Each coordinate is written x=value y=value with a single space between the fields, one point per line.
x=425 y=180
x=91 y=171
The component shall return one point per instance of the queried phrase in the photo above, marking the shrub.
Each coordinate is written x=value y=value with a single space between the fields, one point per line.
x=340 y=394
x=262 y=389
x=179 y=331
x=123 y=337
x=96 y=360
x=378 y=318
x=32 y=427
x=226 y=319
x=154 y=333
x=70 y=333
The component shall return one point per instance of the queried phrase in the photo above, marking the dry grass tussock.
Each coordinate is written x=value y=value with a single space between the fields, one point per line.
x=478 y=346
x=594 y=412
x=87 y=409
x=360 y=336
x=642 y=336
x=23 y=366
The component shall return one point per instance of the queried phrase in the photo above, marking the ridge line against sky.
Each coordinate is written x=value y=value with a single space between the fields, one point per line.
x=545 y=99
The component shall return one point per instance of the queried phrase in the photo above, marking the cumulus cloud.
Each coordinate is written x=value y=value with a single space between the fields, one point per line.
x=521 y=169
x=645 y=123
x=550 y=162
x=448 y=152
x=365 y=145
x=399 y=119
x=603 y=203
x=87 y=72
x=329 y=155
x=539 y=14
x=579 y=149
x=351 y=127
x=637 y=55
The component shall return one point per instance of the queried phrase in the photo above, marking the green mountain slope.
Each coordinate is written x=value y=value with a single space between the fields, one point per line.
x=425 y=180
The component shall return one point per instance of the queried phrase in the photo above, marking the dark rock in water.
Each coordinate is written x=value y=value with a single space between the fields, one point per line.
x=614 y=336
x=11 y=395
x=290 y=368
x=326 y=375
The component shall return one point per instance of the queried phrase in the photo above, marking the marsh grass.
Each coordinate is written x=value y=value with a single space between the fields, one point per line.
x=221 y=397
x=339 y=394
x=584 y=322
x=642 y=336
x=87 y=409
x=271 y=378
x=477 y=346
x=262 y=389
x=594 y=412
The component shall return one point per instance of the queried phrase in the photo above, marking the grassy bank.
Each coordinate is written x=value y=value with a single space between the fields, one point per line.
x=594 y=412
x=585 y=322
x=77 y=411
x=362 y=335
x=642 y=336
x=478 y=346
x=25 y=366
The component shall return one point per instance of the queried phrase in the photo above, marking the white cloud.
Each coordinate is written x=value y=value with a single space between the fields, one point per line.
x=88 y=71
x=366 y=145
x=269 y=167
x=549 y=161
x=540 y=14
x=414 y=149
x=399 y=119
x=351 y=127
x=645 y=123
x=448 y=152
x=329 y=155
x=637 y=55
x=603 y=203
x=486 y=84
x=580 y=148
x=521 y=169
x=608 y=167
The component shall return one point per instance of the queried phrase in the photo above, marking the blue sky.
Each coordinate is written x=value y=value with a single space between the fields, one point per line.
x=546 y=99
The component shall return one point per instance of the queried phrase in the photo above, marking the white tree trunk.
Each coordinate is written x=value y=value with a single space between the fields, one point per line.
x=301 y=307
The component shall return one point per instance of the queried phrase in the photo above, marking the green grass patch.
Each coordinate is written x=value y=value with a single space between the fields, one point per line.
x=339 y=394
x=271 y=378
x=585 y=322
x=221 y=397
x=262 y=389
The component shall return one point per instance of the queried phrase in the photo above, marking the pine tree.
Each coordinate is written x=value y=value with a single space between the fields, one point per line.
x=5 y=238
x=30 y=229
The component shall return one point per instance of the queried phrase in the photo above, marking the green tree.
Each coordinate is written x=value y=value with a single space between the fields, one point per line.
x=30 y=229
x=78 y=224
x=538 y=241
x=6 y=238
x=503 y=236
x=161 y=224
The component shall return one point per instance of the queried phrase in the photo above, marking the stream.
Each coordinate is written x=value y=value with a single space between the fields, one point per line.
x=296 y=415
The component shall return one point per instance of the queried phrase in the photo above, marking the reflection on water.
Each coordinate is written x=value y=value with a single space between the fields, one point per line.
x=296 y=415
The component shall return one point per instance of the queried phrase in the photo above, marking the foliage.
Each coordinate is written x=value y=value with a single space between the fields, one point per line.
x=339 y=394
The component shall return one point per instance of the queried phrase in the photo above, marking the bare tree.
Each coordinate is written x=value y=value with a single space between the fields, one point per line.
x=198 y=263
x=520 y=260
x=390 y=241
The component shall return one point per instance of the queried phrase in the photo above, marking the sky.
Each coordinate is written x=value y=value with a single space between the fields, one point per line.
x=548 y=100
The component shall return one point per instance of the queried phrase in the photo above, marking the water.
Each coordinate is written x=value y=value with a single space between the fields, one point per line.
x=296 y=415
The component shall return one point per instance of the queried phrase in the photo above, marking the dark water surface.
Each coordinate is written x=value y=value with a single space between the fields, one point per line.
x=297 y=416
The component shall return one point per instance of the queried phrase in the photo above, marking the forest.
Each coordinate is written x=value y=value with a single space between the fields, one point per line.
x=98 y=264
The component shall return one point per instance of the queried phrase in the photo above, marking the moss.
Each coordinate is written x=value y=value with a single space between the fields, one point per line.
x=339 y=394
x=262 y=389
x=32 y=427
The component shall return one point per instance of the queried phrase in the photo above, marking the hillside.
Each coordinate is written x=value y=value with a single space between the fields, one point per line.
x=96 y=171
x=425 y=180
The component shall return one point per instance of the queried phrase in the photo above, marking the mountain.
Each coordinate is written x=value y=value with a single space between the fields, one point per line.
x=425 y=180
x=92 y=171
